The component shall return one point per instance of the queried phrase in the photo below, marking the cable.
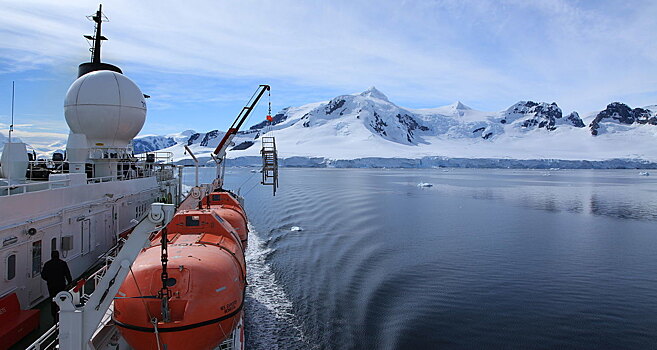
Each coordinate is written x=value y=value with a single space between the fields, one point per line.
x=249 y=102
x=243 y=183
x=247 y=192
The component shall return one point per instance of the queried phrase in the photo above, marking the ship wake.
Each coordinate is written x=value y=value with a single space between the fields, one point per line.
x=270 y=322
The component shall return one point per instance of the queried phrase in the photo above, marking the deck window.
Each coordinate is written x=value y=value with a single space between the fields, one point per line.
x=11 y=267
x=36 y=258
x=192 y=220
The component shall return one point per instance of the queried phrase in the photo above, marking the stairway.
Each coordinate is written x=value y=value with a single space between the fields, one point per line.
x=269 y=162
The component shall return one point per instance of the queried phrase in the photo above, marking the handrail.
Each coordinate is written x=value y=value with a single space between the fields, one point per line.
x=24 y=187
x=42 y=343
x=165 y=157
x=161 y=172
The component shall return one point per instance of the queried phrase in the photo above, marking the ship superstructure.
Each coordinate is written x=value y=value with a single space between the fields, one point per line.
x=84 y=201
x=178 y=281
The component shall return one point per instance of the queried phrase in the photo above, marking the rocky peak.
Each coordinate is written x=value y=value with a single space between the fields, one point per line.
x=621 y=113
x=277 y=119
x=209 y=136
x=530 y=114
x=572 y=119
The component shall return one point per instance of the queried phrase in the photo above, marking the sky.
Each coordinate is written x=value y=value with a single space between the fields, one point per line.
x=200 y=61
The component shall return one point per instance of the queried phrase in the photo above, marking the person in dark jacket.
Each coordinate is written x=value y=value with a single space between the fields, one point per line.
x=57 y=275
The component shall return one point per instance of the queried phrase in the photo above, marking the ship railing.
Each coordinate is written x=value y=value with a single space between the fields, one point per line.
x=49 y=164
x=47 y=340
x=161 y=172
x=16 y=189
x=155 y=157
x=100 y=179
x=103 y=152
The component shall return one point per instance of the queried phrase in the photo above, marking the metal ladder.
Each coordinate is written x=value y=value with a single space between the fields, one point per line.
x=269 y=162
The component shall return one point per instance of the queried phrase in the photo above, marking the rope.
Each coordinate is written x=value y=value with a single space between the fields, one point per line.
x=157 y=334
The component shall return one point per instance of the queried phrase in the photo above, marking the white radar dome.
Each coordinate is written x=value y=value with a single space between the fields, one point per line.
x=107 y=107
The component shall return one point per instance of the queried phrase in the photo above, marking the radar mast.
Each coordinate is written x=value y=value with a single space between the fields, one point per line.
x=96 y=42
x=97 y=39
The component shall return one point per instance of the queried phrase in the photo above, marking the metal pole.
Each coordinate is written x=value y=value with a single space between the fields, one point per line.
x=180 y=179
x=11 y=126
x=99 y=21
x=11 y=129
x=195 y=165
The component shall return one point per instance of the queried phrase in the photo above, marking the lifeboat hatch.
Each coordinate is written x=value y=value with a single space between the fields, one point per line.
x=223 y=198
x=192 y=220
x=178 y=281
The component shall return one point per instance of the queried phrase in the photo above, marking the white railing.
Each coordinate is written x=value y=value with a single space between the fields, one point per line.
x=158 y=157
x=162 y=172
x=47 y=340
x=39 y=164
x=9 y=190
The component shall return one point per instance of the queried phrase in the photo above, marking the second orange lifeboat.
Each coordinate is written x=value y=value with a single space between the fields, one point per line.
x=196 y=300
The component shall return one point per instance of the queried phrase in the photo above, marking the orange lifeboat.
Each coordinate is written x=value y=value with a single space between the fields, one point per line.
x=204 y=283
x=230 y=209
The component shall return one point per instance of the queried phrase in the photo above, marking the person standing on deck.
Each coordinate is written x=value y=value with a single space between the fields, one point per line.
x=57 y=275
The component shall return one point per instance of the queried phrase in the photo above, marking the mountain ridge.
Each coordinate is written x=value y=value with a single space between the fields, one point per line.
x=368 y=125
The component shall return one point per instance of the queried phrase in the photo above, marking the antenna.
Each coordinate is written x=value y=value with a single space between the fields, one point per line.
x=11 y=129
x=96 y=40
x=11 y=126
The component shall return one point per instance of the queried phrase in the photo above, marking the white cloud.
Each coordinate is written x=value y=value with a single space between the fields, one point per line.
x=488 y=53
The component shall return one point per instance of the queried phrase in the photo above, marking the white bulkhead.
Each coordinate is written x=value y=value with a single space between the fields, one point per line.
x=14 y=161
x=77 y=152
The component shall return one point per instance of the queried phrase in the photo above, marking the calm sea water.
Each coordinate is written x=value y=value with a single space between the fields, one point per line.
x=483 y=259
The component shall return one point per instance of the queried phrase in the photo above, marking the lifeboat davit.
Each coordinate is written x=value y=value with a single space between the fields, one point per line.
x=205 y=280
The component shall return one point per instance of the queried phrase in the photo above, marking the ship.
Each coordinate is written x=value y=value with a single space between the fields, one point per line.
x=178 y=281
x=81 y=202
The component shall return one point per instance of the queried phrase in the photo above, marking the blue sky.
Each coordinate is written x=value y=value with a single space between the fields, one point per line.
x=201 y=60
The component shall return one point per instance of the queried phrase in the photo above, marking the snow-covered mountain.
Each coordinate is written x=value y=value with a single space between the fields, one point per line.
x=152 y=143
x=619 y=114
x=368 y=125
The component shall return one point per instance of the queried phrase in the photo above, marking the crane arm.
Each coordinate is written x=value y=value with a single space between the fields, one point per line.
x=220 y=151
